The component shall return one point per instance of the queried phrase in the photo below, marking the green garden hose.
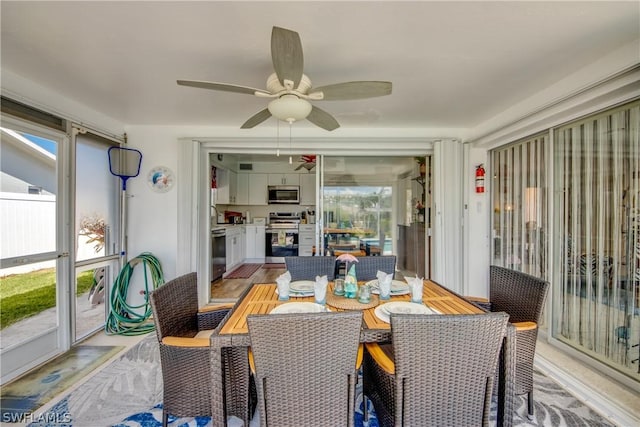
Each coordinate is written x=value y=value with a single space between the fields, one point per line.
x=125 y=319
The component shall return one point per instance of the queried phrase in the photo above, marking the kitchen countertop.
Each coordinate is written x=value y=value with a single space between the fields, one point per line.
x=228 y=226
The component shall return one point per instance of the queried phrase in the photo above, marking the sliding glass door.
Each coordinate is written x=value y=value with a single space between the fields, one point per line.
x=597 y=217
x=519 y=194
x=372 y=206
x=54 y=276
x=33 y=255
x=96 y=232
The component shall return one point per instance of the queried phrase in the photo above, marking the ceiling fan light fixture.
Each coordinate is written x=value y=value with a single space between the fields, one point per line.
x=289 y=108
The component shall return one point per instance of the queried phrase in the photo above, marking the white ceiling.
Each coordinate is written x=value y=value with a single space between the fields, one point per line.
x=452 y=64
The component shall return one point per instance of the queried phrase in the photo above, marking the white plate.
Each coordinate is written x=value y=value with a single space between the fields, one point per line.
x=398 y=287
x=297 y=294
x=299 y=307
x=302 y=286
x=383 y=311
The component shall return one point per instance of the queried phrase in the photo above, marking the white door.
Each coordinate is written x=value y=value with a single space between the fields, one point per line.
x=34 y=253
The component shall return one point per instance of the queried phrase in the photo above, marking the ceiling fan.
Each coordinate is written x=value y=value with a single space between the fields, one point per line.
x=291 y=90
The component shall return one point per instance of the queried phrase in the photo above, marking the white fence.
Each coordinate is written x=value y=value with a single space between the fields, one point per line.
x=27 y=226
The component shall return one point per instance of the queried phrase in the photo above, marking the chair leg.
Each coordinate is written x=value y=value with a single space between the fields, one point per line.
x=530 y=404
x=165 y=418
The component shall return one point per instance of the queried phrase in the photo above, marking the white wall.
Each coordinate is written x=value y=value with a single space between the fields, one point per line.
x=152 y=221
x=477 y=215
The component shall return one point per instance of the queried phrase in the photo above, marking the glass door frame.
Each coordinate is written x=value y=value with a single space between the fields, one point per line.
x=109 y=262
x=49 y=343
x=320 y=205
x=193 y=184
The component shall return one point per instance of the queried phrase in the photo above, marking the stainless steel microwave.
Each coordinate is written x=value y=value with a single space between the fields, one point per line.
x=284 y=194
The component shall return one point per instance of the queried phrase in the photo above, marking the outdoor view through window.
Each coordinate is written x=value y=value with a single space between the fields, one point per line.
x=358 y=216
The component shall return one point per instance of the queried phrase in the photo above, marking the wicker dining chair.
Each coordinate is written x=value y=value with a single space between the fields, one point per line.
x=522 y=296
x=367 y=267
x=439 y=370
x=183 y=336
x=308 y=267
x=305 y=367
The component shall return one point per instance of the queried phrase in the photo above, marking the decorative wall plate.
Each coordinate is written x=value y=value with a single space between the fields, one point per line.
x=160 y=179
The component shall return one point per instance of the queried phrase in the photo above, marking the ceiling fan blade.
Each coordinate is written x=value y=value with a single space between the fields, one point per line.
x=222 y=86
x=256 y=119
x=286 y=54
x=322 y=119
x=353 y=90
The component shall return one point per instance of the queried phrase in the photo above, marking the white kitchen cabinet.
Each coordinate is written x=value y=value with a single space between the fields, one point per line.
x=308 y=190
x=222 y=189
x=251 y=189
x=233 y=185
x=255 y=243
x=306 y=239
x=242 y=189
x=258 y=189
x=241 y=246
x=235 y=246
x=227 y=187
x=284 y=179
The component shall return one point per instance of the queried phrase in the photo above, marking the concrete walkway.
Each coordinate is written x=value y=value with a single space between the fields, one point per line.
x=88 y=319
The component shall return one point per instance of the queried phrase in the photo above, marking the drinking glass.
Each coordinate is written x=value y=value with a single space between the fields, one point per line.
x=416 y=291
x=338 y=287
x=385 y=289
x=320 y=293
x=283 y=290
x=364 y=294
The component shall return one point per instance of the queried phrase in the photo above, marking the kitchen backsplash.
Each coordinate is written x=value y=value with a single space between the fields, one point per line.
x=263 y=211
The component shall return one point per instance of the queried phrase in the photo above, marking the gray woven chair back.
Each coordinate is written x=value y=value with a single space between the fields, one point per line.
x=520 y=295
x=445 y=367
x=175 y=307
x=367 y=266
x=308 y=267
x=306 y=367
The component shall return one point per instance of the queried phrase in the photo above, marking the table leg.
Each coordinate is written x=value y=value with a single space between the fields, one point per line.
x=506 y=379
x=232 y=391
x=218 y=413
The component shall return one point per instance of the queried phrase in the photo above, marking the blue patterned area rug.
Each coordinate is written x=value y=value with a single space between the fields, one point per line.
x=128 y=392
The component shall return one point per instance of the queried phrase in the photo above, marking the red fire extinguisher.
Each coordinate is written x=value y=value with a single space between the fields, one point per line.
x=480 y=178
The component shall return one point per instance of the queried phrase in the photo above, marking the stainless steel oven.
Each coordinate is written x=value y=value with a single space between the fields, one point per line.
x=281 y=236
x=218 y=253
x=280 y=242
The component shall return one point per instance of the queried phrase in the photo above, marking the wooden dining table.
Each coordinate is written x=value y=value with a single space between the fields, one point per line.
x=230 y=343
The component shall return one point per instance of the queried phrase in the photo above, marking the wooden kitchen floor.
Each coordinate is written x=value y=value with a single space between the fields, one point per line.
x=225 y=290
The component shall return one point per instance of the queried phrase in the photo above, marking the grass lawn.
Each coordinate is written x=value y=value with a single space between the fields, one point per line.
x=23 y=295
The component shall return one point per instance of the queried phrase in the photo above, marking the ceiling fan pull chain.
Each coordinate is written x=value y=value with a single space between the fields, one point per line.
x=290 y=149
